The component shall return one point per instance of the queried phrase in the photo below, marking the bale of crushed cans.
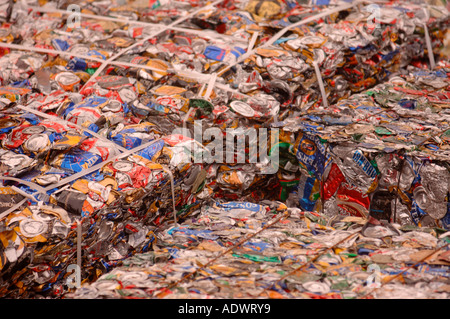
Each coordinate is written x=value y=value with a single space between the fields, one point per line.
x=300 y=254
x=91 y=112
x=383 y=152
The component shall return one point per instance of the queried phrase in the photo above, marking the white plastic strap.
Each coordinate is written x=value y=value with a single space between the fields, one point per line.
x=253 y=41
x=186 y=117
x=429 y=47
x=280 y=33
x=21 y=181
x=49 y=51
x=201 y=90
x=172 y=186
x=189 y=74
x=321 y=86
x=57 y=119
x=202 y=78
x=61 y=189
x=211 y=84
x=21 y=192
x=79 y=239
x=311 y=19
x=96 y=167
x=167 y=27
x=228 y=89
x=10 y=210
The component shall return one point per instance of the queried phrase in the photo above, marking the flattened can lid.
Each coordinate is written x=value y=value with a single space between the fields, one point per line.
x=127 y=95
x=80 y=49
x=6 y=123
x=123 y=166
x=199 y=46
x=437 y=210
x=113 y=106
x=37 y=143
x=31 y=228
x=34 y=130
x=242 y=108
x=67 y=80
x=316 y=287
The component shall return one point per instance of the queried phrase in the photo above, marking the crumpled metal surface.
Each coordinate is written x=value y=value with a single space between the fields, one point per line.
x=100 y=117
x=305 y=256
